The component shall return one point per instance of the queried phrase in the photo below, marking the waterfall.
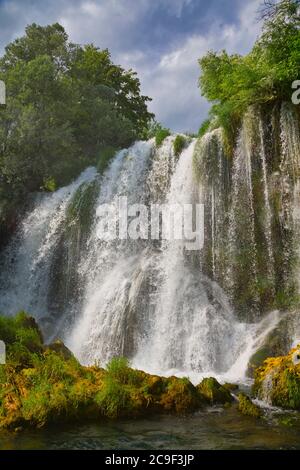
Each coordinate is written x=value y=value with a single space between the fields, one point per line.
x=212 y=168
x=188 y=331
x=170 y=310
x=112 y=269
x=242 y=265
x=268 y=211
x=290 y=214
x=25 y=264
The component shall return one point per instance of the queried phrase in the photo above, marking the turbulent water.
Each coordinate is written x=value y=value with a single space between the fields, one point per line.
x=170 y=310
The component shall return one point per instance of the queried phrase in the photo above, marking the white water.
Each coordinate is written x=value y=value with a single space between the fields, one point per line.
x=111 y=265
x=187 y=326
x=268 y=211
x=24 y=282
x=241 y=216
x=290 y=170
x=141 y=298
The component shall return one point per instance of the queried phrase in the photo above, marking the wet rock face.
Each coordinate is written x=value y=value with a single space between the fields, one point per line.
x=275 y=344
x=249 y=195
x=277 y=382
x=59 y=348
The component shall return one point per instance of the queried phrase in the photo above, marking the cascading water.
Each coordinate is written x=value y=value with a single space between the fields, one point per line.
x=267 y=211
x=154 y=301
x=241 y=240
x=112 y=269
x=290 y=213
x=212 y=168
x=25 y=264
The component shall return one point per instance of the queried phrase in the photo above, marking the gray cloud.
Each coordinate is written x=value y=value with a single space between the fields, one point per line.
x=161 y=39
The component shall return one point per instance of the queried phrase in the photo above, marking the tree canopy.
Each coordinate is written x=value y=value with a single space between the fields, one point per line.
x=65 y=104
x=266 y=74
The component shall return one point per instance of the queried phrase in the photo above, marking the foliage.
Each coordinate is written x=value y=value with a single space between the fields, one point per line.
x=214 y=392
x=179 y=144
x=161 y=135
x=180 y=396
x=49 y=184
x=233 y=82
x=105 y=156
x=277 y=381
x=42 y=384
x=204 y=127
x=247 y=407
x=151 y=130
x=65 y=104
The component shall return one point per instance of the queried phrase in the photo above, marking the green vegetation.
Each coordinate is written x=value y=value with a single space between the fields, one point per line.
x=66 y=104
x=233 y=82
x=247 y=407
x=214 y=392
x=161 y=135
x=179 y=144
x=106 y=154
x=278 y=380
x=42 y=384
x=204 y=127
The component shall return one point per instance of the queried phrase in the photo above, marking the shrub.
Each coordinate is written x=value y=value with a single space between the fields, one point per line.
x=179 y=144
x=49 y=184
x=161 y=135
x=204 y=127
x=113 y=399
x=118 y=369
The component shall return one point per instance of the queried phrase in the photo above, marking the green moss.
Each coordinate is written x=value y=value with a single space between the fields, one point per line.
x=179 y=144
x=180 y=396
x=49 y=385
x=105 y=156
x=118 y=369
x=231 y=387
x=49 y=184
x=161 y=135
x=214 y=392
x=247 y=407
x=81 y=207
x=58 y=347
x=278 y=381
x=20 y=332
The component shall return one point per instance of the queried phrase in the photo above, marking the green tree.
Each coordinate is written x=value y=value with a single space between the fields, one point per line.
x=65 y=104
x=233 y=82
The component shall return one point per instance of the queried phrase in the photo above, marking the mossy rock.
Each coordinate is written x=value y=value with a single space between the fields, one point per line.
x=213 y=392
x=231 y=387
x=273 y=345
x=278 y=381
x=30 y=322
x=50 y=386
x=180 y=396
x=59 y=347
x=247 y=407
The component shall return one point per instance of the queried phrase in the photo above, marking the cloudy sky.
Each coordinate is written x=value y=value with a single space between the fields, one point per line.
x=160 y=39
